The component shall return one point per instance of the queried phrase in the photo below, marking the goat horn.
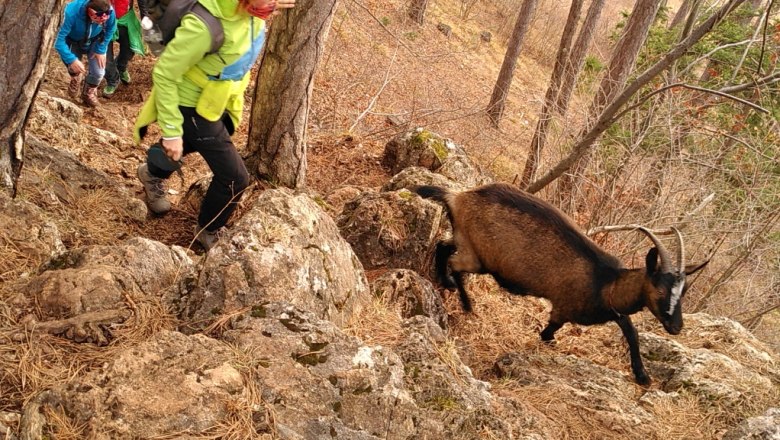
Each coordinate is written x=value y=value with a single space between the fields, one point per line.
x=666 y=261
x=680 y=251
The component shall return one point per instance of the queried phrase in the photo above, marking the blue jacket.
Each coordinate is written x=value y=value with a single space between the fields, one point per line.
x=76 y=26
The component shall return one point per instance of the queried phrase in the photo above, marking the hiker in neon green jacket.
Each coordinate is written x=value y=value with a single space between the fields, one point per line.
x=197 y=101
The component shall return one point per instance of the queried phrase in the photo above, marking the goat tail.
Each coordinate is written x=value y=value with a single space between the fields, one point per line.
x=436 y=193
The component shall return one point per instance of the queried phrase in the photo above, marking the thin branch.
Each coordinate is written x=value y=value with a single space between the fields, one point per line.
x=710 y=53
x=769 y=79
x=378 y=93
x=627 y=227
x=763 y=41
x=686 y=86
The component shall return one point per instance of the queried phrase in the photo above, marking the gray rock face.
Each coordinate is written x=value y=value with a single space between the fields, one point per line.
x=765 y=427
x=29 y=233
x=414 y=176
x=100 y=277
x=170 y=384
x=284 y=248
x=390 y=229
x=422 y=148
x=412 y=294
x=71 y=179
x=84 y=290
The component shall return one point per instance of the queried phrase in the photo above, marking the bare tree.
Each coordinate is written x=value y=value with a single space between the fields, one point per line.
x=550 y=98
x=497 y=103
x=280 y=110
x=682 y=13
x=417 y=10
x=620 y=66
x=611 y=111
x=27 y=32
x=579 y=50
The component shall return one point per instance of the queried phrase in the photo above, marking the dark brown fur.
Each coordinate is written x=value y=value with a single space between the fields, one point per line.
x=532 y=248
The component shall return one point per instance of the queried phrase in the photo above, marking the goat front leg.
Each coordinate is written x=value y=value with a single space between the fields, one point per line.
x=548 y=334
x=444 y=250
x=632 y=338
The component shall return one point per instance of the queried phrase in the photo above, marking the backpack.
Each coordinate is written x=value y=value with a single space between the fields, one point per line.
x=169 y=14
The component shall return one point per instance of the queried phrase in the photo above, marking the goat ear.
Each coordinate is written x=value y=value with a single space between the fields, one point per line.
x=693 y=268
x=651 y=260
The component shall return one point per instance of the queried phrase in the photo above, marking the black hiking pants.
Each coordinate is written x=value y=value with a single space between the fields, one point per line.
x=212 y=141
x=115 y=65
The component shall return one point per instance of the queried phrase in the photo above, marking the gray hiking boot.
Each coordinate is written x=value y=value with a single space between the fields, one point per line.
x=207 y=238
x=155 y=191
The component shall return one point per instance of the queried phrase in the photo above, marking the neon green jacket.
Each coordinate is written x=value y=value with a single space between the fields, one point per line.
x=182 y=71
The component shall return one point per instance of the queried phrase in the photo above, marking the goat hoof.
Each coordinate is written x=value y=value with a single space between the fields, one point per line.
x=643 y=379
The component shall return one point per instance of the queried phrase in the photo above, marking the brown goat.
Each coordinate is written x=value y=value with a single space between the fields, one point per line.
x=532 y=248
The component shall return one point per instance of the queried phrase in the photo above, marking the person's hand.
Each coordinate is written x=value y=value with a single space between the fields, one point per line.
x=101 y=60
x=76 y=67
x=285 y=4
x=173 y=148
x=146 y=23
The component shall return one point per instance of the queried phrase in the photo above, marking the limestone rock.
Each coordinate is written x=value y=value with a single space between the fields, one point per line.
x=284 y=248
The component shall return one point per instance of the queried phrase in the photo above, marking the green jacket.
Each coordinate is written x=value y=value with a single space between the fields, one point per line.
x=183 y=59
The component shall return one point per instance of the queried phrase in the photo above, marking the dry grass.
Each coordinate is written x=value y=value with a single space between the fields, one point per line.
x=439 y=83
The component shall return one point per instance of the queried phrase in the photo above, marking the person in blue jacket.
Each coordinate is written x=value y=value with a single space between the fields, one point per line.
x=87 y=29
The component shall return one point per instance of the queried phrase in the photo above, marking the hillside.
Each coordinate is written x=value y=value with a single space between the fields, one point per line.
x=352 y=361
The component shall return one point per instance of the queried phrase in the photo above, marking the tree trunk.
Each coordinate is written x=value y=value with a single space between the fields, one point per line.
x=280 y=110
x=417 y=11
x=497 y=103
x=681 y=14
x=620 y=66
x=610 y=113
x=578 y=53
x=562 y=60
x=27 y=32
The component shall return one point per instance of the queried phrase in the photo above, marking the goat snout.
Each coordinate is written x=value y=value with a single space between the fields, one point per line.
x=673 y=328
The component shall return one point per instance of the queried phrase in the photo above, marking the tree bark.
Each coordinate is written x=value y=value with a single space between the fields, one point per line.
x=608 y=115
x=681 y=14
x=562 y=60
x=497 y=103
x=578 y=53
x=27 y=32
x=417 y=11
x=620 y=66
x=280 y=110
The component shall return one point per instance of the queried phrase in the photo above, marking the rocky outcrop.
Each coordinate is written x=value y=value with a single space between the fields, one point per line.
x=27 y=231
x=422 y=148
x=411 y=295
x=170 y=384
x=390 y=229
x=81 y=292
x=283 y=248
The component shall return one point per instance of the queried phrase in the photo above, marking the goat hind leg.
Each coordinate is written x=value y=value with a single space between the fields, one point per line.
x=548 y=334
x=444 y=250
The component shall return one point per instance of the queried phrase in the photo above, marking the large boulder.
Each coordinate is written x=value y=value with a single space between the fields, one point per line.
x=28 y=237
x=322 y=383
x=390 y=229
x=422 y=148
x=283 y=248
x=163 y=387
x=83 y=291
